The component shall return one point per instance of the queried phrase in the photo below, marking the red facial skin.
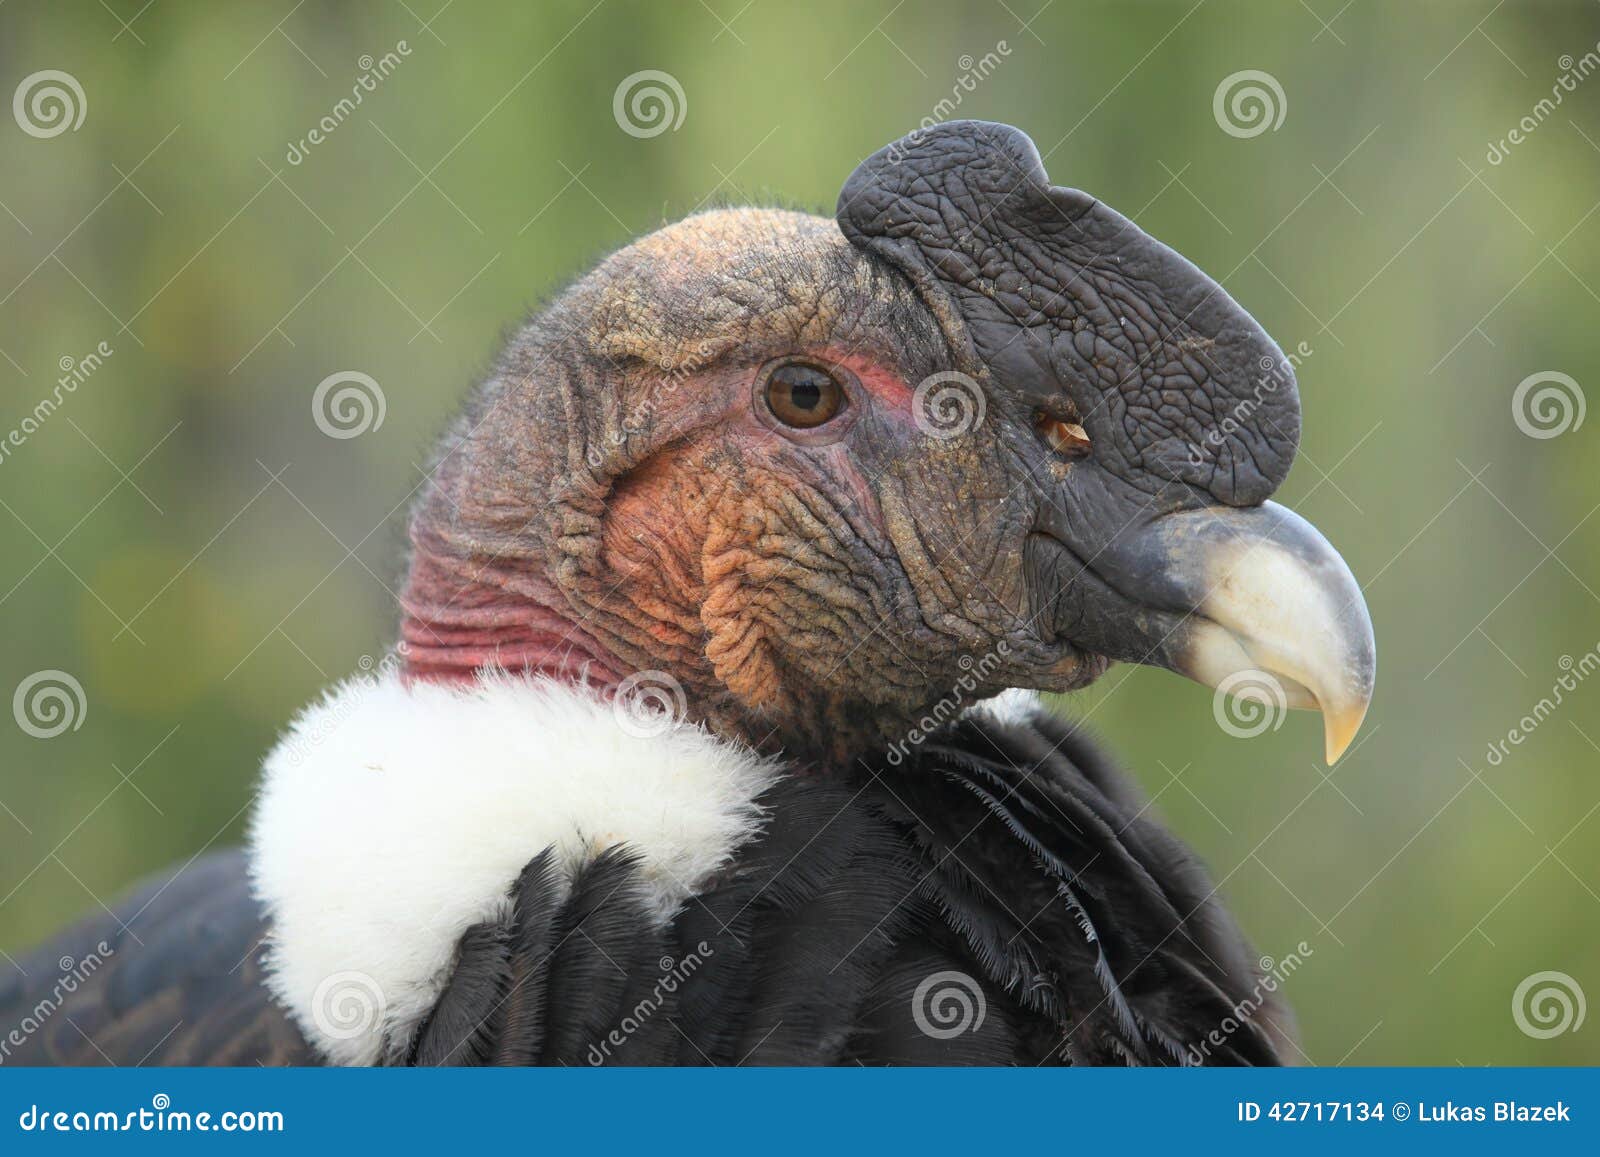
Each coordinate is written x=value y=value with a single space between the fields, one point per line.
x=453 y=629
x=889 y=390
x=460 y=618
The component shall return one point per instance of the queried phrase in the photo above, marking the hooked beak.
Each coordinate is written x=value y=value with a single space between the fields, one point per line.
x=1258 y=589
x=1271 y=594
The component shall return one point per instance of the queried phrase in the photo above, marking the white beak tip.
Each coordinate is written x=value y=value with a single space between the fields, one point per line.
x=1339 y=728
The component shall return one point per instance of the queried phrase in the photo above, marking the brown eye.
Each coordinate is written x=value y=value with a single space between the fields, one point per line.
x=1068 y=439
x=803 y=395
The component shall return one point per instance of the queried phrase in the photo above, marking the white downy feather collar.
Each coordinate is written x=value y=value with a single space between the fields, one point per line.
x=392 y=817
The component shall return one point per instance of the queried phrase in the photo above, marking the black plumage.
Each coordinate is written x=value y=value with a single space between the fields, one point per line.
x=1000 y=896
x=178 y=979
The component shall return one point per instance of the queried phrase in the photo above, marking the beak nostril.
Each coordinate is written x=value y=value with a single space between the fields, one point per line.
x=1068 y=439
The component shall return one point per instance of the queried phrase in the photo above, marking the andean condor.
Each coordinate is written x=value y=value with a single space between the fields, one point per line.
x=702 y=743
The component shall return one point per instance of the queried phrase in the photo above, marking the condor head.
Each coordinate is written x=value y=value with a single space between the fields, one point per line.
x=803 y=477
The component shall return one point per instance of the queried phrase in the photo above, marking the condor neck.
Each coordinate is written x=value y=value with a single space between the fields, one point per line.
x=459 y=620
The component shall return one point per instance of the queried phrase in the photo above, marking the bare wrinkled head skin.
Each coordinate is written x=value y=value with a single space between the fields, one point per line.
x=621 y=497
x=620 y=469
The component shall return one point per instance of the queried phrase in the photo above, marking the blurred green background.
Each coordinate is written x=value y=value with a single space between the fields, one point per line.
x=181 y=539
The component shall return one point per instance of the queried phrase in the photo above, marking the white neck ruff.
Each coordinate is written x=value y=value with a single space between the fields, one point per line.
x=392 y=817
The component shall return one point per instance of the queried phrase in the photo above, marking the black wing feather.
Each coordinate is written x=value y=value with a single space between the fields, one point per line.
x=177 y=979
